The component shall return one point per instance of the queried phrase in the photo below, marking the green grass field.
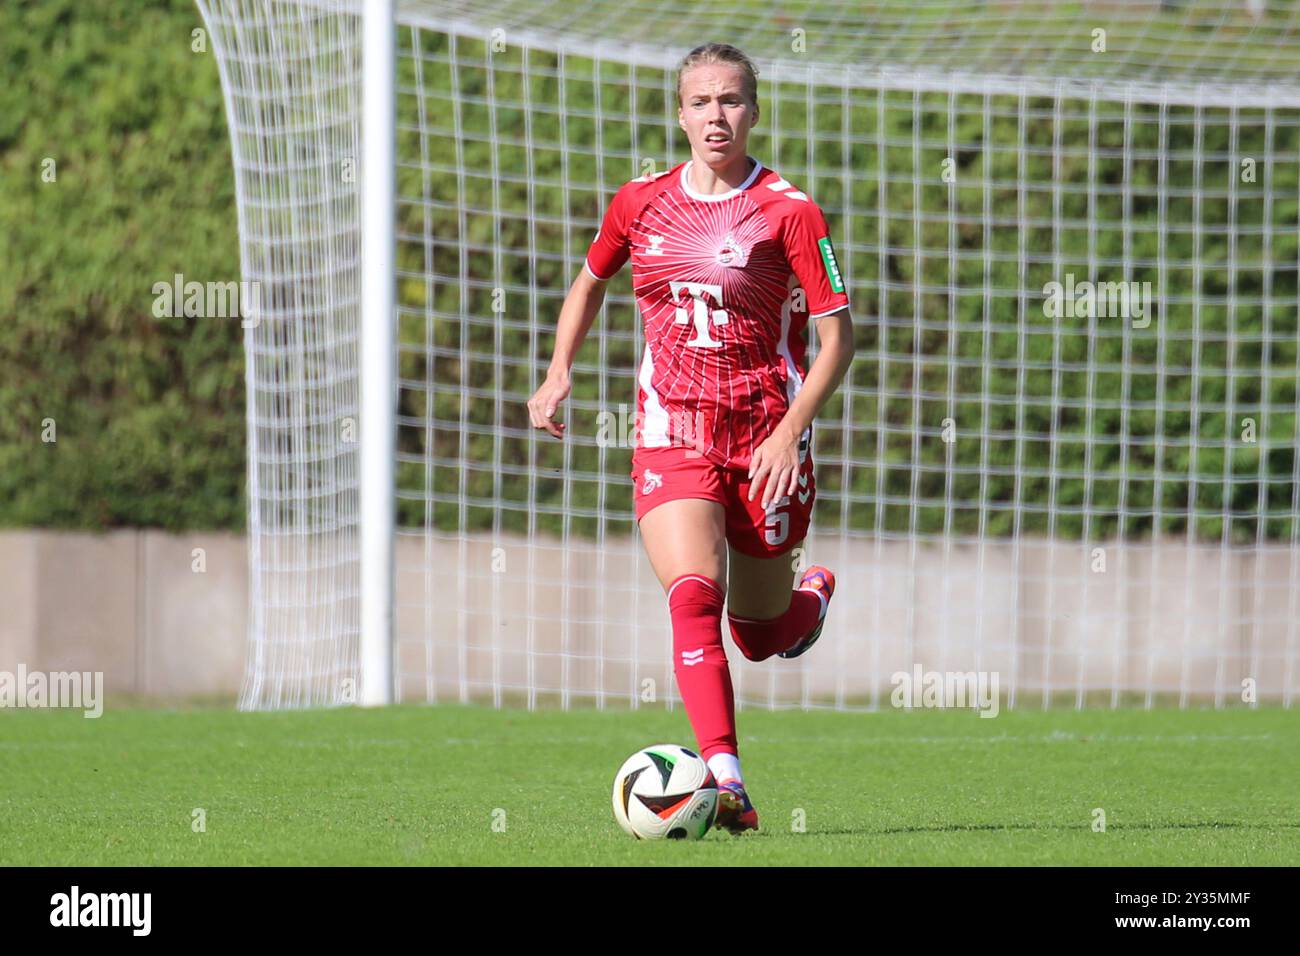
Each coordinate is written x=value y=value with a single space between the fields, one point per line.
x=423 y=785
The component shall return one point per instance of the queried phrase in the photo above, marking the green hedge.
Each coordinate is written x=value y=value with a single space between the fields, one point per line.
x=149 y=413
x=995 y=483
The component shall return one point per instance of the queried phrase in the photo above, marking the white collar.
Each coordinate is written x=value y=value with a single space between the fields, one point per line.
x=715 y=197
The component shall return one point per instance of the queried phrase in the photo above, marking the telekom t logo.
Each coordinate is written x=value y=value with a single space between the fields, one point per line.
x=700 y=310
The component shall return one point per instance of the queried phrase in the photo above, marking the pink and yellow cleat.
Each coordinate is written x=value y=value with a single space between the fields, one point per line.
x=735 y=812
x=821 y=582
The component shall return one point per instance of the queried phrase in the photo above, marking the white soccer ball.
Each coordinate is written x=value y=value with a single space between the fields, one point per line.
x=665 y=792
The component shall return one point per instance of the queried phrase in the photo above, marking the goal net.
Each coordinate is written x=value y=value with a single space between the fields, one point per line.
x=1065 y=453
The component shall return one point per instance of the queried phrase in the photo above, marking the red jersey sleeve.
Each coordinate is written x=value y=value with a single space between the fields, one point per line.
x=611 y=249
x=806 y=239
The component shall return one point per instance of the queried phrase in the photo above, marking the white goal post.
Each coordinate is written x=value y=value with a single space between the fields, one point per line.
x=1066 y=452
x=378 y=383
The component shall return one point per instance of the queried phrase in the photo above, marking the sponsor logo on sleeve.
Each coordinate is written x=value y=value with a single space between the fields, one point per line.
x=832 y=267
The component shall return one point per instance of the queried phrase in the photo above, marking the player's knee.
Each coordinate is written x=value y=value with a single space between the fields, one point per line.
x=752 y=636
x=695 y=590
x=695 y=599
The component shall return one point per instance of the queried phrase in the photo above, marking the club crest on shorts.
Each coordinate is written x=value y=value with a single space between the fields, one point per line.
x=652 y=481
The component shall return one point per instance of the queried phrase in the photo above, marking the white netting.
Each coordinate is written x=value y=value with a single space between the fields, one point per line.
x=1083 y=504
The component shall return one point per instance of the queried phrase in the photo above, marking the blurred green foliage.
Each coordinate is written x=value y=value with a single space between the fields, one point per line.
x=148 y=413
x=1075 y=427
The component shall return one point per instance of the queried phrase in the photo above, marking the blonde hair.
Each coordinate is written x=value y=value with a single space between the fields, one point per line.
x=718 y=53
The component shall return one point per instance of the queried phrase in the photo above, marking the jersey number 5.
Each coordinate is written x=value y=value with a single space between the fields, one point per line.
x=778 y=521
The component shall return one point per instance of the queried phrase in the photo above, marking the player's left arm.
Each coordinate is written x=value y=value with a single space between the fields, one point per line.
x=777 y=459
x=805 y=237
x=834 y=356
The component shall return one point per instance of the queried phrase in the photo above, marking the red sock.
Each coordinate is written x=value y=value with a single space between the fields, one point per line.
x=700 y=663
x=759 y=640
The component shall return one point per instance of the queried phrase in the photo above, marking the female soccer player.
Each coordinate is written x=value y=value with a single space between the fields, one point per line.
x=729 y=261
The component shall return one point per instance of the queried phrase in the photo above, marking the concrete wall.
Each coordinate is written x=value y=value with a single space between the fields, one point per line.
x=1051 y=618
x=474 y=615
x=140 y=606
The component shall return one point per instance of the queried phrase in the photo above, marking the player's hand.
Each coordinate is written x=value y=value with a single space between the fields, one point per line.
x=774 y=467
x=543 y=405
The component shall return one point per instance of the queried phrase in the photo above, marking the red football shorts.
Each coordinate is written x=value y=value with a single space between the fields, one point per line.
x=678 y=471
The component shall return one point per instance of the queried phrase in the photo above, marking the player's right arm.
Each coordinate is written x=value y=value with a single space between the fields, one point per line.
x=608 y=252
x=579 y=311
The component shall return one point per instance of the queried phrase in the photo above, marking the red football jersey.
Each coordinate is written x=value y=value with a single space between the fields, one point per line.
x=725 y=284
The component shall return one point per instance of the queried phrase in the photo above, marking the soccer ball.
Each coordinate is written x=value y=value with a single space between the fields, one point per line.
x=665 y=791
